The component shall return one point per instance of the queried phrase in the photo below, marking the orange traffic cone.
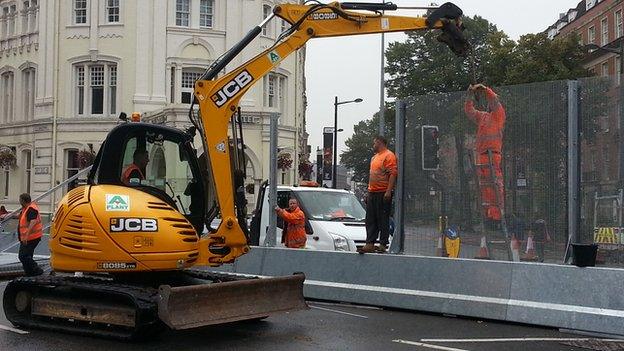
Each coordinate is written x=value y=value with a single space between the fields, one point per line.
x=530 y=254
x=515 y=249
x=441 y=250
x=484 y=253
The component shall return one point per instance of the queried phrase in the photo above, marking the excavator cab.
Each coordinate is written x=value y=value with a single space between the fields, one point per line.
x=159 y=161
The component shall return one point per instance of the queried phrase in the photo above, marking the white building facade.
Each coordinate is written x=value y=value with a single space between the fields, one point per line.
x=69 y=67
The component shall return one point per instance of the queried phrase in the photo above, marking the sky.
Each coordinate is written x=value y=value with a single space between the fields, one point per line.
x=349 y=67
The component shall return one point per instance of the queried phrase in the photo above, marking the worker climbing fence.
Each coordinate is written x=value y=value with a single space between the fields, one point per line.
x=534 y=168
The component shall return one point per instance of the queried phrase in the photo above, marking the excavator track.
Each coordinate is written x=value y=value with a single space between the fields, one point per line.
x=86 y=305
x=103 y=306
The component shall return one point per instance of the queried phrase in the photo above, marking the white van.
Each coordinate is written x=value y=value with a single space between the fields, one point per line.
x=334 y=218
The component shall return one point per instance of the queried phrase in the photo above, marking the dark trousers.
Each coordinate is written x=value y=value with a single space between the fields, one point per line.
x=26 y=252
x=377 y=218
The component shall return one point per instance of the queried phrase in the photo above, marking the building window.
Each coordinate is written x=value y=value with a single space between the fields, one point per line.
x=27 y=164
x=206 y=12
x=183 y=13
x=34 y=12
x=605 y=69
x=173 y=83
x=269 y=89
x=284 y=26
x=80 y=11
x=591 y=35
x=189 y=76
x=25 y=10
x=619 y=29
x=28 y=93
x=275 y=91
x=72 y=167
x=96 y=88
x=5 y=23
x=112 y=11
x=282 y=93
x=618 y=69
x=604 y=25
x=7 y=84
x=266 y=12
x=96 y=82
x=11 y=19
x=112 y=91
x=80 y=84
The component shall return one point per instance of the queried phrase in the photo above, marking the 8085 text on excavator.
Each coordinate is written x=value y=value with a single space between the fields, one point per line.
x=137 y=240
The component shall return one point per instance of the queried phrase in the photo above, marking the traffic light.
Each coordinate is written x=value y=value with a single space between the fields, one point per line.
x=430 y=146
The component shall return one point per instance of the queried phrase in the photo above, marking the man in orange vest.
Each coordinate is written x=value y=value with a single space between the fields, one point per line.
x=30 y=233
x=382 y=177
x=490 y=125
x=140 y=159
x=294 y=235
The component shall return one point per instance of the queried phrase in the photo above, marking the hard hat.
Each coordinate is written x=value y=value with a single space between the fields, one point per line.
x=136 y=117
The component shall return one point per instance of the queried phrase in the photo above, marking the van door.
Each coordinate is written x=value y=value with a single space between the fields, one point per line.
x=256 y=219
x=282 y=201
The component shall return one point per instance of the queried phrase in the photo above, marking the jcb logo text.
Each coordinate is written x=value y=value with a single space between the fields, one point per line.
x=231 y=88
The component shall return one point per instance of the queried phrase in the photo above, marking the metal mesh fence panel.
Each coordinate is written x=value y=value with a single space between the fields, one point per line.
x=534 y=160
x=601 y=175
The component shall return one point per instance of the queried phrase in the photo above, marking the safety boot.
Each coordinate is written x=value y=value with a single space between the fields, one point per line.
x=381 y=248
x=368 y=248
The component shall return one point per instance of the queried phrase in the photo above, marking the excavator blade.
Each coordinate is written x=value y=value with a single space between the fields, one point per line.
x=200 y=305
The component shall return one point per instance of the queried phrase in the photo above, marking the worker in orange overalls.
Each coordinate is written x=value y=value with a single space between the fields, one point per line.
x=134 y=172
x=30 y=233
x=294 y=235
x=381 y=181
x=490 y=125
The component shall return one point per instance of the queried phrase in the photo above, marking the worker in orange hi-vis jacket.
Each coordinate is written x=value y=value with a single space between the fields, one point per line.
x=490 y=125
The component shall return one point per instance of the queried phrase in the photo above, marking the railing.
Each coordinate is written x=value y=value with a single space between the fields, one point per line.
x=14 y=214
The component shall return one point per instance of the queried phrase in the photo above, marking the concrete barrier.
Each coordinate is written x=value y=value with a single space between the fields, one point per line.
x=583 y=299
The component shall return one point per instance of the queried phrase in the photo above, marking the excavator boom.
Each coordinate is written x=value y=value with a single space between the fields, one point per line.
x=219 y=98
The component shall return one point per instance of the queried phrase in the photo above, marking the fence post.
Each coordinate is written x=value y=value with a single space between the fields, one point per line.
x=398 y=238
x=270 y=238
x=574 y=164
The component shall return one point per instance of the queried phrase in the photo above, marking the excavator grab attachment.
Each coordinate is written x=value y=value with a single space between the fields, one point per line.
x=452 y=28
x=201 y=305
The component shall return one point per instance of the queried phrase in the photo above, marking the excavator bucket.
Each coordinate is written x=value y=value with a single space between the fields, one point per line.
x=200 y=305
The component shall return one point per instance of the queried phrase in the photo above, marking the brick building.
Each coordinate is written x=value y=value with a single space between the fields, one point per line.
x=599 y=22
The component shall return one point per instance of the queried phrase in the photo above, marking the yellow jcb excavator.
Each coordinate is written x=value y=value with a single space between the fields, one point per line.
x=143 y=220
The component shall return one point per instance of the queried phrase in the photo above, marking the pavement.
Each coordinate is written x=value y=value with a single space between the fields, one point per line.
x=326 y=326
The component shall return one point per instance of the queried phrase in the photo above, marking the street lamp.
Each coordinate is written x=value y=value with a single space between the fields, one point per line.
x=336 y=130
x=617 y=51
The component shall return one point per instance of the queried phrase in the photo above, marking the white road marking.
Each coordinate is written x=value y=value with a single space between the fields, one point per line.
x=347 y=305
x=341 y=312
x=14 y=330
x=463 y=341
x=429 y=346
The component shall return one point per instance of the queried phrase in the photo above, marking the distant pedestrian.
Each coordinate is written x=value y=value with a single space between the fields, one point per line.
x=383 y=174
x=517 y=227
x=294 y=235
x=30 y=233
x=541 y=236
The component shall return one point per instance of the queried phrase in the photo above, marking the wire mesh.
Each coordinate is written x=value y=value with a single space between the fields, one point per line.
x=601 y=168
x=534 y=161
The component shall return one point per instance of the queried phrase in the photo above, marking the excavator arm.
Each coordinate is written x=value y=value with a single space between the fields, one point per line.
x=219 y=97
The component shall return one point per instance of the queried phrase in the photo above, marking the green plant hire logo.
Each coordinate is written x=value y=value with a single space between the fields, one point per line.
x=116 y=202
